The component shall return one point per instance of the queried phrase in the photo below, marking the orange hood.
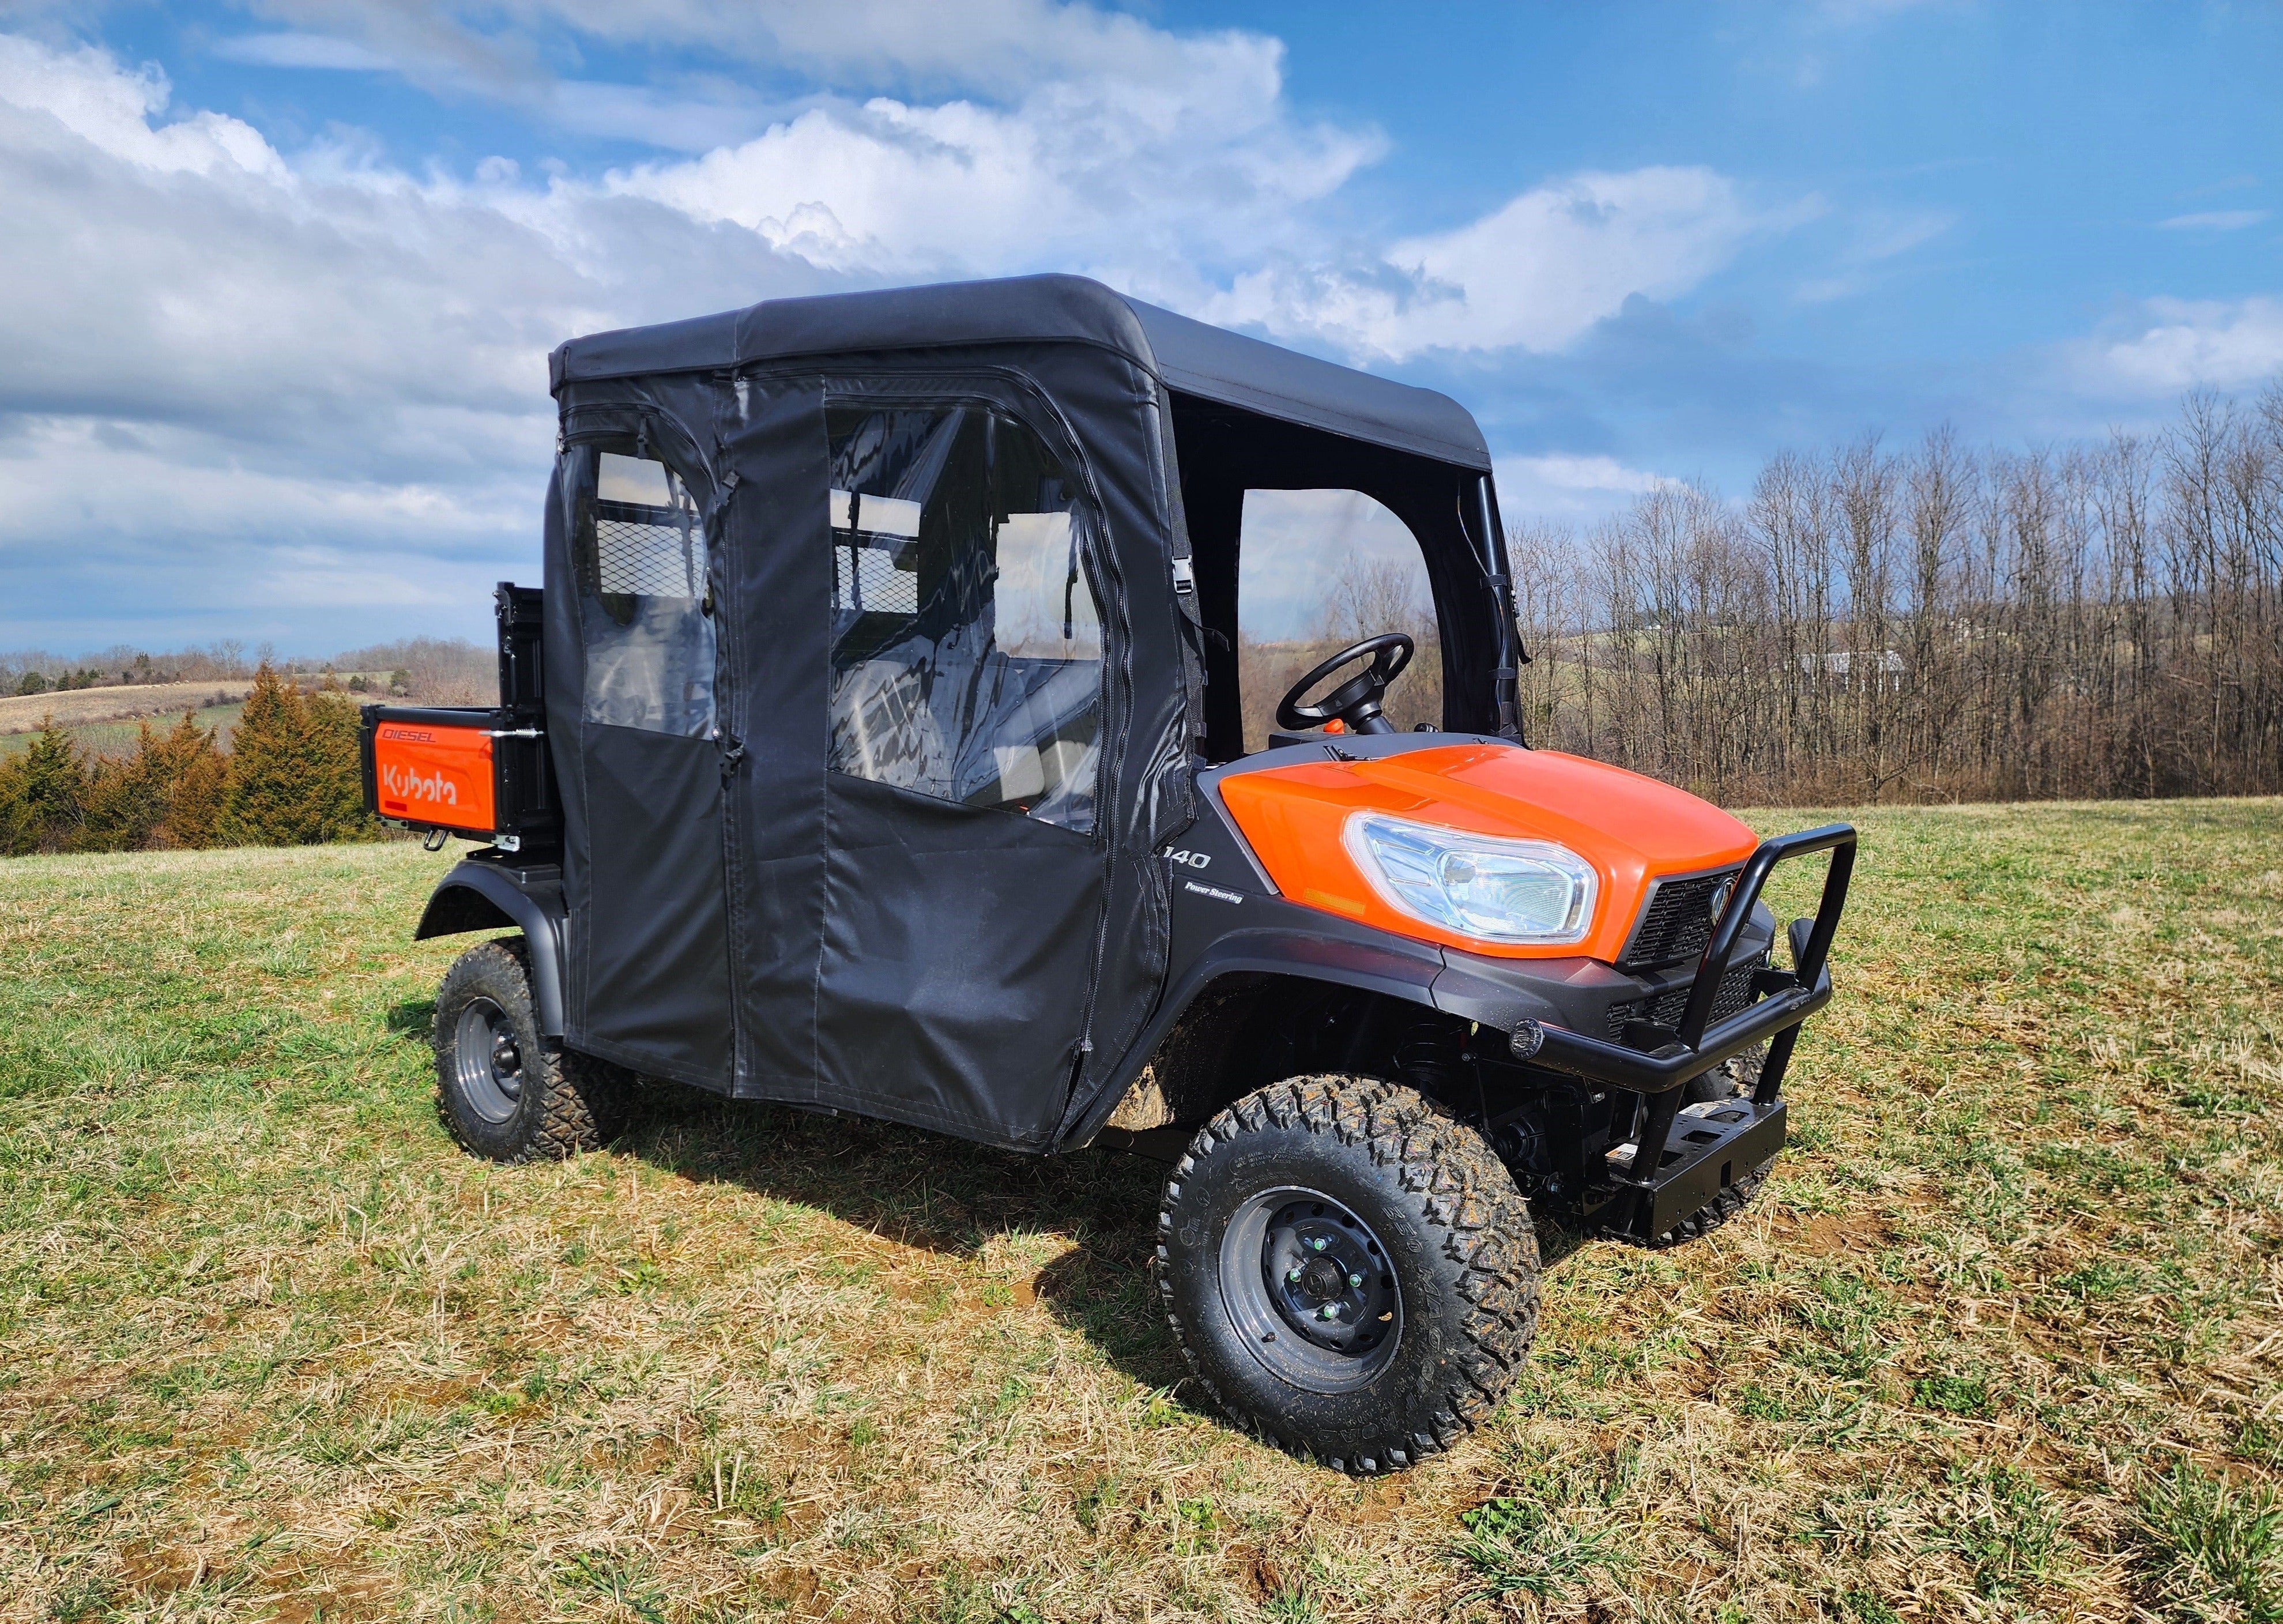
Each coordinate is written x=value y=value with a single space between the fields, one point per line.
x=1632 y=830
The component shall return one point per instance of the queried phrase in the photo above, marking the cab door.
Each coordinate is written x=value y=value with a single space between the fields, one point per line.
x=925 y=865
x=648 y=967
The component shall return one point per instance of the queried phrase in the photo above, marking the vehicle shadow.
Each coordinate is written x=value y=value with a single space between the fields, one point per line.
x=947 y=1196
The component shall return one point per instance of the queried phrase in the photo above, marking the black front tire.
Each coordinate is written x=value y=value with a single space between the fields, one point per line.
x=504 y=1090
x=1357 y=1169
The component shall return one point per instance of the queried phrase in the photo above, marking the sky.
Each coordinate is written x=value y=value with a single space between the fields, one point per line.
x=278 y=277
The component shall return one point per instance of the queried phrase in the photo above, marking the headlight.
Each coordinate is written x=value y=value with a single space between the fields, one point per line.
x=1475 y=885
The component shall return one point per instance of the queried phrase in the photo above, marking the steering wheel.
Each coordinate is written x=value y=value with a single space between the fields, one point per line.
x=1355 y=702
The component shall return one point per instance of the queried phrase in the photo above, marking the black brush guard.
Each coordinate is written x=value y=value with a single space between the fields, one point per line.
x=1663 y=1180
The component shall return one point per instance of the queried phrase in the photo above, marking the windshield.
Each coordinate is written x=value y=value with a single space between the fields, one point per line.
x=1318 y=570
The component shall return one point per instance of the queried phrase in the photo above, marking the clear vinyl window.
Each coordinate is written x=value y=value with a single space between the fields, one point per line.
x=638 y=548
x=1318 y=570
x=966 y=642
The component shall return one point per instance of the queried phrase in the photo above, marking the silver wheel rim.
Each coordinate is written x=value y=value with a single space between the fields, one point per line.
x=1310 y=1289
x=487 y=1061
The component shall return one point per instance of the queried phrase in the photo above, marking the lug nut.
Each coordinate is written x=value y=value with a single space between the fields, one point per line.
x=1292 y=1279
x=1355 y=1279
x=1326 y=1312
x=1320 y=1242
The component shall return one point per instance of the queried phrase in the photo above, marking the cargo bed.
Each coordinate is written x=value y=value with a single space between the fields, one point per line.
x=478 y=772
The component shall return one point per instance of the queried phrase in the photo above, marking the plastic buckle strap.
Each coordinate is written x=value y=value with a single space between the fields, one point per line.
x=1185 y=576
x=726 y=490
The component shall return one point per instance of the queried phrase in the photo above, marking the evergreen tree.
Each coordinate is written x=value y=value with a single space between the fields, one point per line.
x=168 y=793
x=335 y=792
x=15 y=819
x=41 y=794
x=293 y=778
x=126 y=800
x=263 y=803
x=200 y=775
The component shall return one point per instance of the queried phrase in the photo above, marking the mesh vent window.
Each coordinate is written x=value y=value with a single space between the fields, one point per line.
x=652 y=551
x=638 y=546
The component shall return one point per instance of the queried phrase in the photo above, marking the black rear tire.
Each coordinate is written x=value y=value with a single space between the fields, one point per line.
x=1320 y=1176
x=504 y=1090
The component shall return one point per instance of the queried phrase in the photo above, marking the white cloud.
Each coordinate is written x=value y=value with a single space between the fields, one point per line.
x=2217 y=220
x=304 y=50
x=221 y=361
x=680 y=118
x=1570 y=485
x=1564 y=471
x=1536 y=274
x=1201 y=160
x=84 y=93
x=2177 y=344
x=236 y=373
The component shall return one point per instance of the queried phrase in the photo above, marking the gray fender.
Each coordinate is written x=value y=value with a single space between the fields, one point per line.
x=480 y=895
x=1335 y=952
x=1283 y=939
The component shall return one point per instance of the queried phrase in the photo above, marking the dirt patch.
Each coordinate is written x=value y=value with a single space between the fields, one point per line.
x=299 y=1595
x=161 y=1570
x=1828 y=1234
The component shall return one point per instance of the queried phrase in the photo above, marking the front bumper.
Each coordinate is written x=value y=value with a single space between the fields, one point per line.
x=1654 y=1180
x=1790 y=996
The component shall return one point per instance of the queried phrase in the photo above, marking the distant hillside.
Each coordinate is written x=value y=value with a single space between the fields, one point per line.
x=125 y=702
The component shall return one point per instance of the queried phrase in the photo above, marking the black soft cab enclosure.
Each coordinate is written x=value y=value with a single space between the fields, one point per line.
x=881 y=750
x=877 y=677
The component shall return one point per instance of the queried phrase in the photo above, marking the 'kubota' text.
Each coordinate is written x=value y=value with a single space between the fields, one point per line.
x=404 y=782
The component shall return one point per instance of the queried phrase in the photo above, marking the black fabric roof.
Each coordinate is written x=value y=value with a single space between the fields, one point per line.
x=1188 y=356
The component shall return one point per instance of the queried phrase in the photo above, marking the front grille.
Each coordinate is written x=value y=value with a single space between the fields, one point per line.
x=1667 y=1007
x=1676 y=922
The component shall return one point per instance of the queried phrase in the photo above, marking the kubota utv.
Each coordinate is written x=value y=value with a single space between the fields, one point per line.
x=876 y=746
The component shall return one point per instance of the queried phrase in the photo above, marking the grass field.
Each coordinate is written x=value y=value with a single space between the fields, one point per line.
x=119 y=738
x=2003 y=1339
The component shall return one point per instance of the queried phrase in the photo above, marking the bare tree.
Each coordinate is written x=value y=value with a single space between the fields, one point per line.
x=1934 y=625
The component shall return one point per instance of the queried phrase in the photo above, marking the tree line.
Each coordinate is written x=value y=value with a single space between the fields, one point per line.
x=442 y=670
x=289 y=779
x=1932 y=624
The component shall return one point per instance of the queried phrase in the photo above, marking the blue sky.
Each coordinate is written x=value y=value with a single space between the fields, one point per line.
x=282 y=275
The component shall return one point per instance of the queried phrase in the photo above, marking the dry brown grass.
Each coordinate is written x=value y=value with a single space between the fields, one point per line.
x=28 y=713
x=2002 y=1340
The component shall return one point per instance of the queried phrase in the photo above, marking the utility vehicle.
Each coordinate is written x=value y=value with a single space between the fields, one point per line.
x=875 y=745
